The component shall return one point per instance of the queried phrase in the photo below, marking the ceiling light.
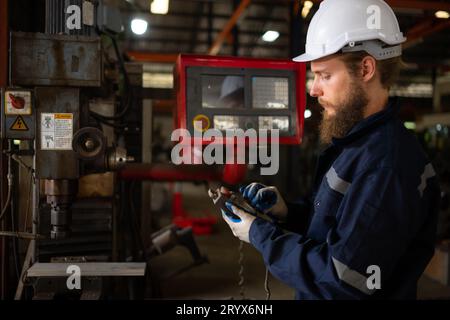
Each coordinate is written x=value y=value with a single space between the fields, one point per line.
x=270 y=36
x=442 y=14
x=139 y=26
x=308 y=113
x=410 y=125
x=159 y=6
x=307 y=5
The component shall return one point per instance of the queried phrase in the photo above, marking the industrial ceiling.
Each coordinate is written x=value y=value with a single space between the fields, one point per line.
x=227 y=27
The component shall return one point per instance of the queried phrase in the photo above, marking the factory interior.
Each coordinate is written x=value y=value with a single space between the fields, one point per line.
x=92 y=92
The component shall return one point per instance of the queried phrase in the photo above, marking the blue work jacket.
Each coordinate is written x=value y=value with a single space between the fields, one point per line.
x=369 y=228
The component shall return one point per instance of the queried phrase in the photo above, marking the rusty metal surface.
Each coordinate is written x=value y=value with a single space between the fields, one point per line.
x=61 y=187
x=56 y=164
x=55 y=60
x=56 y=18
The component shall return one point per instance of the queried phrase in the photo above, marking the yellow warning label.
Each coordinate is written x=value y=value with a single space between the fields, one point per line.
x=63 y=116
x=19 y=125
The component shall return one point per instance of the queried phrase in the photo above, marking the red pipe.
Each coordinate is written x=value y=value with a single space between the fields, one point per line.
x=169 y=172
x=234 y=173
x=231 y=174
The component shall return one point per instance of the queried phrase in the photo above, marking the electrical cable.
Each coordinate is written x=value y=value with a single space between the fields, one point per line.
x=14 y=242
x=97 y=117
x=9 y=204
x=30 y=195
x=19 y=160
x=126 y=102
x=10 y=183
x=2 y=215
x=266 y=284
x=8 y=200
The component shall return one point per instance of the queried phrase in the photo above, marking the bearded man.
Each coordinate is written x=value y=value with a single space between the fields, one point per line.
x=368 y=229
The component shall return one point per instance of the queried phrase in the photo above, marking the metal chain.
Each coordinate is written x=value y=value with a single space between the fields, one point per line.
x=242 y=279
x=241 y=271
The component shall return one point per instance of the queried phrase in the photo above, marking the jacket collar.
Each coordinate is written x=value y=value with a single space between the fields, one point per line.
x=370 y=123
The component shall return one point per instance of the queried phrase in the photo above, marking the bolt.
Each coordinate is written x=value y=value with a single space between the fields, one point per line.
x=89 y=144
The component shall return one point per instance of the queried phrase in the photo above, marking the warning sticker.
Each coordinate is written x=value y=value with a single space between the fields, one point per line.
x=19 y=125
x=18 y=102
x=56 y=131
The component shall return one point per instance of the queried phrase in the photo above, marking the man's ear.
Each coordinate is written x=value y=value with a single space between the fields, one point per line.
x=369 y=68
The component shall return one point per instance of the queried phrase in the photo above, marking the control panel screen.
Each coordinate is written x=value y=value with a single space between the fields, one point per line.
x=229 y=93
x=222 y=92
x=270 y=93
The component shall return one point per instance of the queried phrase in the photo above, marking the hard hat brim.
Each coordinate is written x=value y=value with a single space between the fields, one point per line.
x=306 y=57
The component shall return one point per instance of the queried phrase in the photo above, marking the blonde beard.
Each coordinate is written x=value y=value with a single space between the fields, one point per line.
x=349 y=113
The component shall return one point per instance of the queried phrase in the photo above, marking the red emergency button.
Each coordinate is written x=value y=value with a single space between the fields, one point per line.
x=17 y=102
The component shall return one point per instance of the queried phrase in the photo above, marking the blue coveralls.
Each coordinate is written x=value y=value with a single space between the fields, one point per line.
x=374 y=205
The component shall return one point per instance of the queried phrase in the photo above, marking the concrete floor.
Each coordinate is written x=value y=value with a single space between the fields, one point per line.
x=219 y=279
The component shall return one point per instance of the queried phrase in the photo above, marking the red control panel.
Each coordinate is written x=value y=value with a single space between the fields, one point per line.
x=229 y=93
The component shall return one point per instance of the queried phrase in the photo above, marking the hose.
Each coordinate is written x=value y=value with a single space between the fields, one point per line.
x=8 y=201
x=10 y=183
x=127 y=103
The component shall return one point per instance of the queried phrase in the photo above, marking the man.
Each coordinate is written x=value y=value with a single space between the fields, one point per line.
x=369 y=229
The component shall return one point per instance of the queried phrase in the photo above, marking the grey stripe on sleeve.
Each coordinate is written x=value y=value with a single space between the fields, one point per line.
x=336 y=183
x=352 y=277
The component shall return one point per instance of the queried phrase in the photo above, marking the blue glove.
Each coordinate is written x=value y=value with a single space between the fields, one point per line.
x=265 y=199
x=233 y=218
x=241 y=228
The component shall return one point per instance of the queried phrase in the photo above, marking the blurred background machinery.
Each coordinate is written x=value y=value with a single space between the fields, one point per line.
x=72 y=117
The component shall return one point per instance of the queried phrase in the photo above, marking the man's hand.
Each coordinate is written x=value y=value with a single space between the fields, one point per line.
x=266 y=199
x=240 y=229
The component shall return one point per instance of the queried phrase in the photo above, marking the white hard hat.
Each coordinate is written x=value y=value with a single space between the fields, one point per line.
x=230 y=85
x=353 y=25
